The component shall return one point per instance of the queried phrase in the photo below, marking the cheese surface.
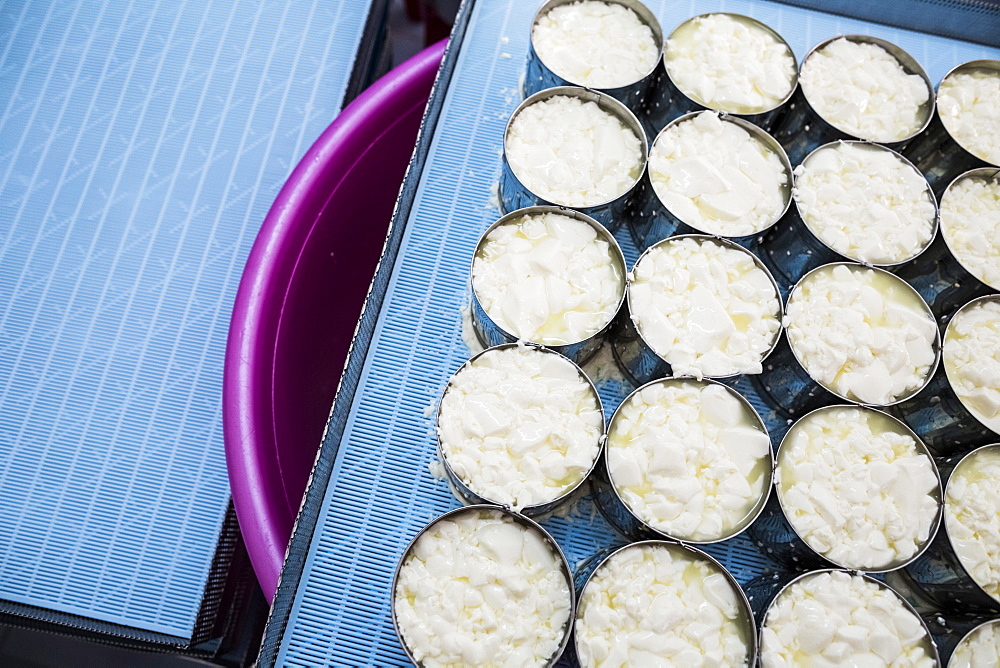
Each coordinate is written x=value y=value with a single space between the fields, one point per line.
x=971 y=354
x=863 y=90
x=861 y=333
x=571 y=152
x=972 y=516
x=865 y=202
x=717 y=177
x=970 y=224
x=548 y=278
x=980 y=649
x=856 y=488
x=658 y=605
x=967 y=103
x=729 y=63
x=595 y=44
x=838 y=619
x=689 y=458
x=479 y=589
x=706 y=308
x=520 y=426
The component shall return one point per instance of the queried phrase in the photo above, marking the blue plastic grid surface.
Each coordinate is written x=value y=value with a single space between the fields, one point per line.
x=381 y=491
x=141 y=144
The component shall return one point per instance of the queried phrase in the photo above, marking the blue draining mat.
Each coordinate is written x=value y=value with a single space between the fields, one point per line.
x=372 y=490
x=141 y=144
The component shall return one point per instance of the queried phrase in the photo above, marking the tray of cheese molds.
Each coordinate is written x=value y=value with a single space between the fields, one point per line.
x=378 y=479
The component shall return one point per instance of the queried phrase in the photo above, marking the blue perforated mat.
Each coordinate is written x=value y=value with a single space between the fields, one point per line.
x=372 y=489
x=141 y=144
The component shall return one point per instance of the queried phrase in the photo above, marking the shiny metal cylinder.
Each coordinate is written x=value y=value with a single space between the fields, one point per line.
x=949 y=631
x=491 y=334
x=801 y=129
x=515 y=195
x=935 y=152
x=651 y=221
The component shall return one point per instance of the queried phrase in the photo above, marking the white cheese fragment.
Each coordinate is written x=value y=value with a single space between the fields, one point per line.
x=479 y=588
x=861 y=333
x=571 y=152
x=979 y=649
x=717 y=177
x=595 y=44
x=704 y=307
x=548 y=278
x=972 y=516
x=520 y=426
x=967 y=103
x=658 y=605
x=834 y=618
x=970 y=223
x=856 y=488
x=863 y=90
x=865 y=202
x=689 y=458
x=971 y=355
x=730 y=63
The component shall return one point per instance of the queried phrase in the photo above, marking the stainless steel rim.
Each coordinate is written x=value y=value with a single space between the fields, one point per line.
x=988 y=173
x=983 y=64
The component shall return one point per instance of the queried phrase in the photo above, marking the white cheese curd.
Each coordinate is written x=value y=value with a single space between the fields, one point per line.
x=967 y=103
x=571 y=152
x=861 y=333
x=971 y=355
x=479 y=589
x=689 y=458
x=717 y=177
x=548 y=278
x=865 y=202
x=856 y=488
x=706 y=308
x=863 y=90
x=658 y=605
x=838 y=619
x=970 y=223
x=520 y=426
x=730 y=63
x=595 y=44
x=972 y=516
x=979 y=649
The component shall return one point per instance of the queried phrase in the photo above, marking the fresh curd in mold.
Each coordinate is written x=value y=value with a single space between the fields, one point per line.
x=971 y=355
x=856 y=488
x=972 y=516
x=717 y=177
x=970 y=224
x=595 y=44
x=980 y=649
x=689 y=458
x=480 y=589
x=520 y=426
x=571 y=152
x=967 y=103
x=865 y=202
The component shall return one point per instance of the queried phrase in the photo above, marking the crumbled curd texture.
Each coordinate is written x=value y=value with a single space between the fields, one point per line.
x=834 y=618
x=972 y=517
x=654 y=605
x=730 y=64
x=967 y=103
x=548 y=278
x=716 y=177
x=971 y=356
x=856 y=488
x=861 y=333
x=865 y=202
x=689 y=458
x=572 y=152
x=706 y=308
x=520 y=426
x=981 y=649
x=595 y=44
x=970 y=223
x=861 y=89
x=480 y=589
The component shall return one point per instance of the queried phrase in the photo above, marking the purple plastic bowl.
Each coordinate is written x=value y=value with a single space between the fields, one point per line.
x=299 y=300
